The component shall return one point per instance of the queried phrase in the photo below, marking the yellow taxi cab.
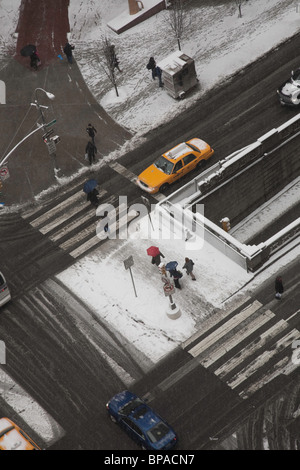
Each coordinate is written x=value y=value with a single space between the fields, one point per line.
x=174 y=164
x=13 y=438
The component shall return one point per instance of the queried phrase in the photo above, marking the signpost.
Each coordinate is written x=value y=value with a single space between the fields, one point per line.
x=128 y=263
x=148 y=205
x=50 y=123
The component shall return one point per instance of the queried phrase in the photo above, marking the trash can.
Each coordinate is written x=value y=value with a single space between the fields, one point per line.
x=179 y=74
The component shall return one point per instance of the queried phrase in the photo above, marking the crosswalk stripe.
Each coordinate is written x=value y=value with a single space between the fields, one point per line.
x=58 y=208
x=236 y=339
x=212 y=322
x=263 y=358
x=96 y=239
x=251 y=348
x=216 y=335
x=67 y=215
x=76 y=223
x=283 y=366
x=255 y=363
x=85 y=232
x=26 y=214
x=122 y=170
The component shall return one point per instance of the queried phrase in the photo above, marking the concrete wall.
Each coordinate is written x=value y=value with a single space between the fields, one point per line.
x=250 y=187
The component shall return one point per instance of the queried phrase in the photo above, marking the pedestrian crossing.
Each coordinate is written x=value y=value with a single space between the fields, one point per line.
x=247 y=349
x=72 y=223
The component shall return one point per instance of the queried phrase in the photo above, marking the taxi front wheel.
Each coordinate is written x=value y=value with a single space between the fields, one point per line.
x=164 y=187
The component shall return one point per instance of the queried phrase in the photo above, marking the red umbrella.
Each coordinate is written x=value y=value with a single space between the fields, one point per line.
x=153 y=251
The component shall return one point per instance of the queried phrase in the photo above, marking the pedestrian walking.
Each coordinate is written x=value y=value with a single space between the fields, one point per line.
x=91 y=132
x=91 y=151
x=156 y=71
x=158 y=74
x=92 y=196
x=68 y=51
x=151 y=66
x=278 y=287
x=35 y=60
x=189 y=266
x=176 y=276
x=157 y=259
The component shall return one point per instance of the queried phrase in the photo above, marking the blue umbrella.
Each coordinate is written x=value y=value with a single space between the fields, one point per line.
x=89 y=186
x=171 y=265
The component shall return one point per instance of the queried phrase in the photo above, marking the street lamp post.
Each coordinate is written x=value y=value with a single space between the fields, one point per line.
x=36 y=103
x=39 y=106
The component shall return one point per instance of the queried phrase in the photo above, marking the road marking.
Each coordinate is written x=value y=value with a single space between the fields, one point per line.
x=252 y=365
x=29 y=410
x=120 y=223
x=58 y=208
x=243 y=333
x=122 y=170
x=216 y=335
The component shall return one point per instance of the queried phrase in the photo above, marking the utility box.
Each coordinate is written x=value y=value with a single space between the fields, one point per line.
x=179 y=74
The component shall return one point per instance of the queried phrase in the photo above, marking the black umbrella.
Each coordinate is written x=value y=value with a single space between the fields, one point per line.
x=28 y=50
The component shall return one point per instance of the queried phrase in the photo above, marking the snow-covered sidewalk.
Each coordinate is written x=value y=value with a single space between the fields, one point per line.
x=103 y=283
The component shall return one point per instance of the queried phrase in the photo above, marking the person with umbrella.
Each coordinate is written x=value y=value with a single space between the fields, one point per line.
x=31 y=51
x=171 y=267
x=156 y=255
x=92 y=194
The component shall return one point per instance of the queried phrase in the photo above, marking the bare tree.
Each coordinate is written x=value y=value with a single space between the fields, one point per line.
x=178 y=18
x=109 y=61
x=239 y=5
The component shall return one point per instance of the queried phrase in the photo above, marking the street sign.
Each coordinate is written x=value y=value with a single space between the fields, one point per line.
x=169 y=289
x=4 y=173
x=51 y=147
x=128 y=262
x=50 y=123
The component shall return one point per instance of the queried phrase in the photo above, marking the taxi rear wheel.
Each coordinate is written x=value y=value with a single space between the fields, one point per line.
x=164 y=187
x=201 y=164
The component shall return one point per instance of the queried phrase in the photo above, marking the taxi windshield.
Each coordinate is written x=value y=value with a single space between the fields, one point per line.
x=164 y=165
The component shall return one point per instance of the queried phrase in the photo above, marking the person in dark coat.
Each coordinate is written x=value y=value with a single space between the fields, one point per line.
x=91 y=150
x=92 y=196
x=91 y=132
x=157 y=259
x=176 y=276
x=189 y=265
x=158 y=73
x=151 y=66
x=35 y=60
x=68 y=51
x=278 y=287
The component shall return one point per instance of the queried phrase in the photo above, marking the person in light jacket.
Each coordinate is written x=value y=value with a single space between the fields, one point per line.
x=189 y=265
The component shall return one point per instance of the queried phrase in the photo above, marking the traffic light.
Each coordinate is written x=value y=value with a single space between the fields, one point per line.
x=47 y=135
